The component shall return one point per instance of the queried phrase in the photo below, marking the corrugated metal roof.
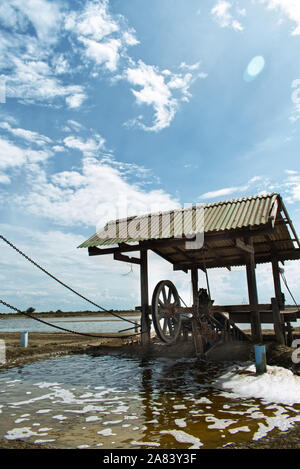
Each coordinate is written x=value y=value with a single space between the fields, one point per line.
x=220 y=216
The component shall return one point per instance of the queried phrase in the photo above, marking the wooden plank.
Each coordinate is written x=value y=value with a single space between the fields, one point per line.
x=266 y=317
x=277 y=282
x=256 y=332
x=195 y=331
x=239 y=308
x=132 y=260
x=240 y=244
x=145 y=320
x=95 y=251
x=277 y=322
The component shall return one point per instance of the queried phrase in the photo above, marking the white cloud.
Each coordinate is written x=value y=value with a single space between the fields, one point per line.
x=29 y=60
x=104 y=38
x=89 y=147
x=28 y=135
x=257 y=182
x=158 y=89
x=292 y=186
x=75 y=101
x=43 y=15
x=94 y=21
x=106 y=53
x=14 y=156
x=222 y=14
x=220 y=193
x=290 y=8
x=91 y=196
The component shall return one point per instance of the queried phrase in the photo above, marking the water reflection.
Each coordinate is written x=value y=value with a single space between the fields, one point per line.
x=119 y=401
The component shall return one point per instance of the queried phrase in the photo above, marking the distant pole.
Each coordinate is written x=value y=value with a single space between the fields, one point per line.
x=24 y=339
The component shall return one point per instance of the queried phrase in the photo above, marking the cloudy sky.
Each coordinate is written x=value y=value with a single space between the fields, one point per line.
x=116 y=108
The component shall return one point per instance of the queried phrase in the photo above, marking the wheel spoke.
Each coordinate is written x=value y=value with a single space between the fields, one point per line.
x=169 y=295
x=170 y=327
x=165 y=325
x=164 y=295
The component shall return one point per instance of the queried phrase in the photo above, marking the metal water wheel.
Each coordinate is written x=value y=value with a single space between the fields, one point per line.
x=166 y=321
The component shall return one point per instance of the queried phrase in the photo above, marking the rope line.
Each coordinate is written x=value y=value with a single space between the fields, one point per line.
x=288 y=289
x=62 y=283
x=62 y=328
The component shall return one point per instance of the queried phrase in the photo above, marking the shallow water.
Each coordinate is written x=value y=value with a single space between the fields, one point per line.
x=77 y=324
x=121 y=402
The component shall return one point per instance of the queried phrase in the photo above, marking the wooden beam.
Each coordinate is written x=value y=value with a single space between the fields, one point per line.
x=240 y=244
x=256 y=331
x=145 y=320
x=196 y=335
x=277 y=282
x=95 y=251
x=132 y=260
x=277 y=322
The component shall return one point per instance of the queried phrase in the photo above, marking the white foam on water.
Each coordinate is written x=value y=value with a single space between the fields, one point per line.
x=112 y=422
x=24 y=432
x=183 y=437
x=83 y=446
x=30 y=401
x=43 y=411
x=92 y=418
x=218 y=423
x=21 y=420
x=106 y=432
x=43 y=441
x=45 y=384
x=144 y=443
x=179 y=407
x=180 y=423
x=59 y=417
x=239 y=429
x=203 y=400
x=278 y=385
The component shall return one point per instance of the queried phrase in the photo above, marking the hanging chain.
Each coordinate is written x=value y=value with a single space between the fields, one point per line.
x=62 y=283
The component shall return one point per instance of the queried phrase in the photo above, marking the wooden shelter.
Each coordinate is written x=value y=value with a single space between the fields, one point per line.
x=240 y=232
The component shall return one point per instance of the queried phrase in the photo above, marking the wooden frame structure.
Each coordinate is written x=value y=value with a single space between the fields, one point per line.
x=244 y=232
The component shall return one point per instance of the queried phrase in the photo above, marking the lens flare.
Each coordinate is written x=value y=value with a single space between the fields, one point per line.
x=254 y=68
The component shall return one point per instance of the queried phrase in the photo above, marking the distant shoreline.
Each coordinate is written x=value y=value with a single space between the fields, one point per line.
x=66 y=314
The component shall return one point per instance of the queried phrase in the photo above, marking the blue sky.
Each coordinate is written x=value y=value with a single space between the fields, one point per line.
x=116 y=108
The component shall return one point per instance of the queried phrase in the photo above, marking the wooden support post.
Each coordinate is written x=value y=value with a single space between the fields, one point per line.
x=145 y=321
x=195 y=330
x=253 y=299
x=277 y=322
x=277 y=283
